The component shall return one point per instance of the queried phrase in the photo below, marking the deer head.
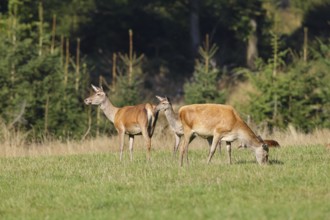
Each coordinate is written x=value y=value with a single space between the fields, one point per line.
x=97 y=98
x=164 y=103
x=262 y=152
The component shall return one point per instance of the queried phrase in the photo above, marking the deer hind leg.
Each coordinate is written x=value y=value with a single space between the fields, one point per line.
x=121 y=135
x=147 y=141
x=228 y=145
x=131 y=141
x=215 y=141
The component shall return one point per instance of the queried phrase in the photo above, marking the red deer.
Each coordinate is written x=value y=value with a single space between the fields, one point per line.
x=130 y=120
x=217 y=123
x=172 y=118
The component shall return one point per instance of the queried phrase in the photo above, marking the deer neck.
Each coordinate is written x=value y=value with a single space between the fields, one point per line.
x=173 y=121
x=250 y=138
x=109 y=109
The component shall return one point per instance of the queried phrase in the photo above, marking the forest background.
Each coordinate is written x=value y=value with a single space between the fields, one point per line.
x=270 y=59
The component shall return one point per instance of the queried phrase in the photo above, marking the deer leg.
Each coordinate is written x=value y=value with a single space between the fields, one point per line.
x=131 y=141
x=121 y=136
x=184 y=145
x=147 y=141
x=219 y=145
x=228 y=145
x=209 y=141
x=215 y=142
x=190 y=140
x=176 y=145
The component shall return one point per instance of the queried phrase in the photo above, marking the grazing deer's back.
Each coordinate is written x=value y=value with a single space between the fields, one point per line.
x=208 y=115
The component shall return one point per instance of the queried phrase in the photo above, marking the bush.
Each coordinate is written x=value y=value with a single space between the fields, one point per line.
x=298 y=94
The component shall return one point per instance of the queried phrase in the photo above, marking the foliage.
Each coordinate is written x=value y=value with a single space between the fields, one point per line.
x=128 y=86
x=126 y=92
x=203 y=86
x=298 y=94
x=34 y=95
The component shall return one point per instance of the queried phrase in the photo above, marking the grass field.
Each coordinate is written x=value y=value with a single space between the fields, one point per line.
x=295 y=185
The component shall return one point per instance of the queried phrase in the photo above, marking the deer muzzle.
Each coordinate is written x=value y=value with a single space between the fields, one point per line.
x=87 y=101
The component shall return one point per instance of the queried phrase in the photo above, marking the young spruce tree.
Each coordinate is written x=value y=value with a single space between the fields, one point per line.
x=203 y=86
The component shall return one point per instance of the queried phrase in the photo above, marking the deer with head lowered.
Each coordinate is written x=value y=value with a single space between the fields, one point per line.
x=131 y=120
x=172 y=119
x=216 y=123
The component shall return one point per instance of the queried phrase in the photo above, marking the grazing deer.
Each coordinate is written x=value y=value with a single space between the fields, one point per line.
x=217 y=122
x=172 y=118
x=131 y=120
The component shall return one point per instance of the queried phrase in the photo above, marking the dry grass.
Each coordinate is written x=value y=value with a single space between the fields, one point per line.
x=14 y=144
x=294 y=138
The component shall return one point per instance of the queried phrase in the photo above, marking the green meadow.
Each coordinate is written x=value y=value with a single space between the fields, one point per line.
x=295 y=185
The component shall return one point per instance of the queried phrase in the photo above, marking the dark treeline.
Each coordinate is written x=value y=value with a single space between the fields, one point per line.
x=52 y=50
x=169 y=32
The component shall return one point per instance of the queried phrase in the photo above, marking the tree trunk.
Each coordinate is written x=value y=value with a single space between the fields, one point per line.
x=252 y=49
x=194 y=26
x=284 y=4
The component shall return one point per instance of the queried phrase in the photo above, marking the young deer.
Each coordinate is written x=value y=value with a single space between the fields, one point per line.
x=130 y=120
x=172 y=119
x=217 y=122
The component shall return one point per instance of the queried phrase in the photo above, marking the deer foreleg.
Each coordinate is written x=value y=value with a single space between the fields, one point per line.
x=214 y=145
x=121 y=136
x=131 y=141
x=176 y=145
x=184 y=147
x=228 y=145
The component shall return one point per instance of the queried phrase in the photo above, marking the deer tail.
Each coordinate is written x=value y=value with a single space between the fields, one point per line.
x=152 y=118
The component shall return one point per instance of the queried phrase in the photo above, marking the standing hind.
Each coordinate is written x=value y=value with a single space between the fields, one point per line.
x=131 y=120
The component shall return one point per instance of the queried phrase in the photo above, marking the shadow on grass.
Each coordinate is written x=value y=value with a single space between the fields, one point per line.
x=270 y=162
x=275 y=162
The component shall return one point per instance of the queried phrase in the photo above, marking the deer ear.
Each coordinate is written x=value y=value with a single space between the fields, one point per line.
x=159 y=98
x=96 y=89
x=168 y=99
